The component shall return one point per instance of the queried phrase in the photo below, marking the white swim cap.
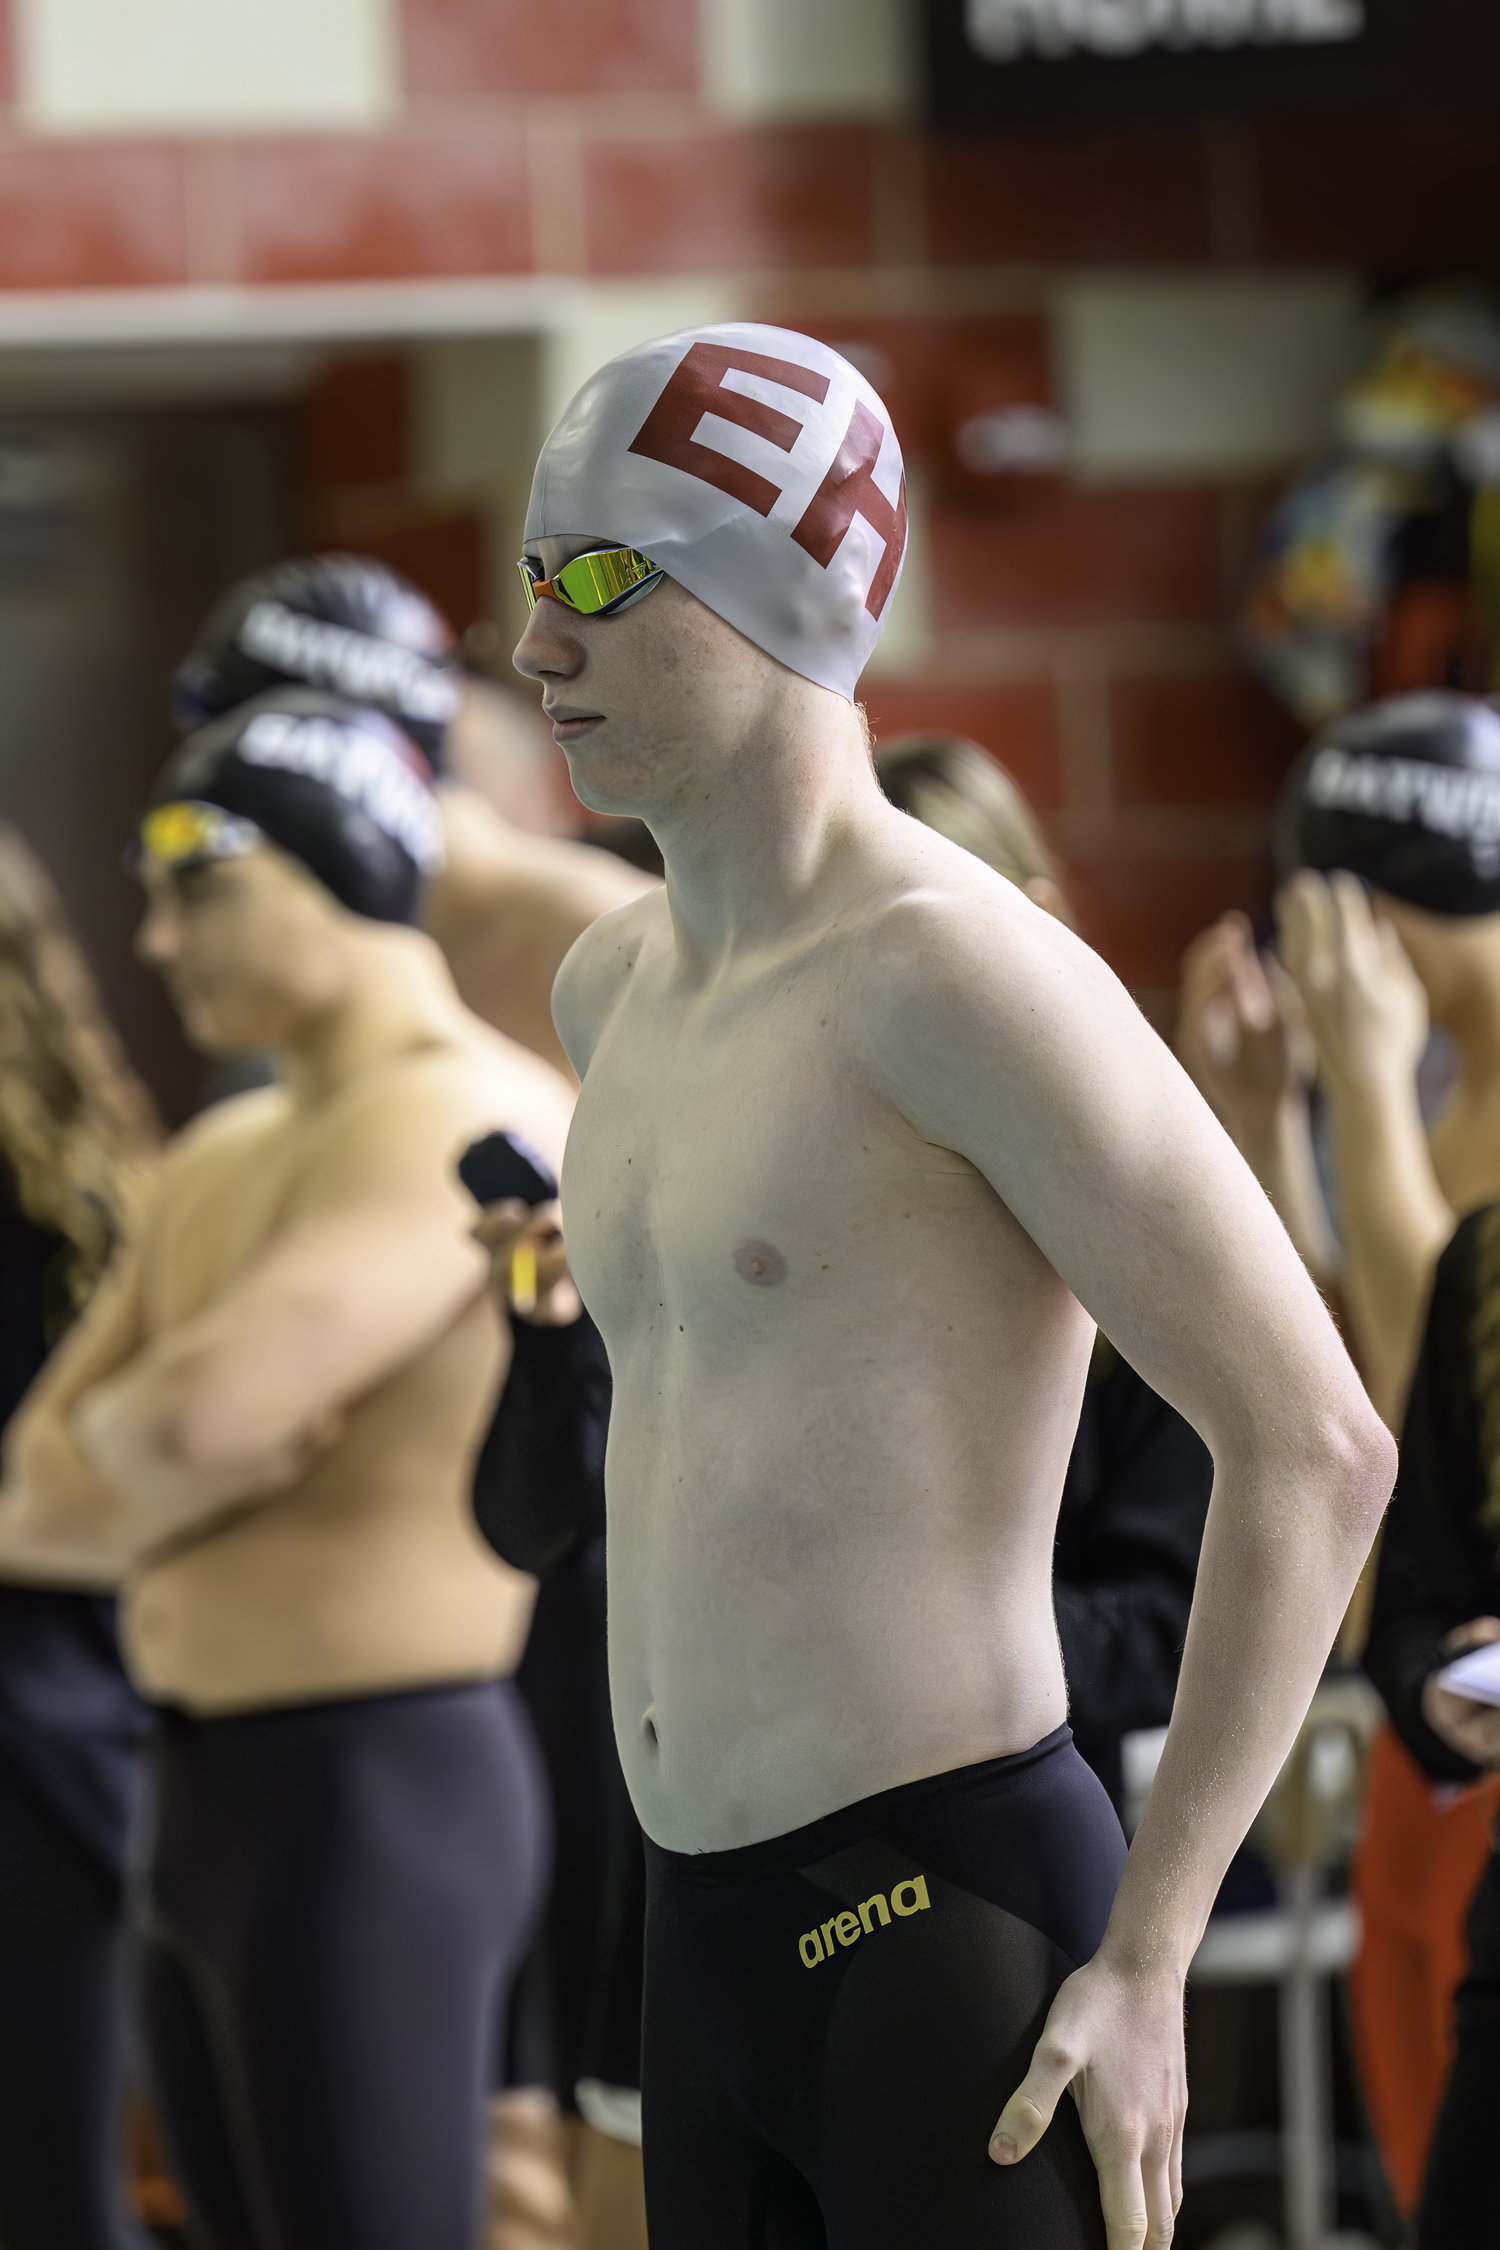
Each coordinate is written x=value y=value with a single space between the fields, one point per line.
x=759 y=469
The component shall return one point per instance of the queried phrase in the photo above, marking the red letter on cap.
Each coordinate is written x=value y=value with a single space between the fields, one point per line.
x=696 y=388
x=850 y=490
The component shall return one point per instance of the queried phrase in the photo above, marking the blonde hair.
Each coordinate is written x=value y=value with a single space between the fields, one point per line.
x=76 y=1125
x=951 y=785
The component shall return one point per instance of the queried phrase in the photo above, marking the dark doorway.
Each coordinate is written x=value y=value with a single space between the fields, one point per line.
x=117 y=530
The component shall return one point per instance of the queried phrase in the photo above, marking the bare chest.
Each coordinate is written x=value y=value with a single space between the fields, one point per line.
x=738 y=1172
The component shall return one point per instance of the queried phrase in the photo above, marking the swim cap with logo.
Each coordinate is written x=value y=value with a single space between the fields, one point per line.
x=758 y=469
x=338 y=787
x=337 y=622
x=1406 y=794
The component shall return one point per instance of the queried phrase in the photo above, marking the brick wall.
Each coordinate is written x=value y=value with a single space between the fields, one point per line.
x=1081 y=631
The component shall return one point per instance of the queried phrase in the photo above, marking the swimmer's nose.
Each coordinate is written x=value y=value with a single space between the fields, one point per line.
x=156 y=937
x=549 y=649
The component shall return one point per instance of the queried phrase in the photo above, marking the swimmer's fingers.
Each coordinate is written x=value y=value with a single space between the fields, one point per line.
x=1115 y=2043
x=529 y=1263
x=1031 y=2107
x=500 y=1225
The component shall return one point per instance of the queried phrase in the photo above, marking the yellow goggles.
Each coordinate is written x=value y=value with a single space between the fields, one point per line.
x=595 y=584
x=186 y=833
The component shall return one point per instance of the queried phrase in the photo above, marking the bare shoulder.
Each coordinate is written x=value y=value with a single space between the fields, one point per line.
x=410 y=1119
x=951 y=949
x=597 y=971
x=222 y=1135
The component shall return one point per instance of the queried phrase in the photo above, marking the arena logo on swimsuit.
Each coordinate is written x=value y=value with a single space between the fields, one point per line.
x=907 y=1898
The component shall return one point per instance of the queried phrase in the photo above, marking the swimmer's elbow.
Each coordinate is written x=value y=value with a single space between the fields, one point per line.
x=1361 y=1469
x=1339 y=1457
x=180 y=1430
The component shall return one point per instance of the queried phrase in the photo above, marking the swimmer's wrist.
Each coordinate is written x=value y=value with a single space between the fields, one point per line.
x=1151 y=1949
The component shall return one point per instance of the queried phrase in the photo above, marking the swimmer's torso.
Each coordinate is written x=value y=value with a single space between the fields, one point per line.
x=367 y=1574
x=846 y=1385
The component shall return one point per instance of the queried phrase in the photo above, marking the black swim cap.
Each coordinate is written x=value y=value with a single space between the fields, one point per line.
x=338 y=787
x=1406 y=794
x=337 y=622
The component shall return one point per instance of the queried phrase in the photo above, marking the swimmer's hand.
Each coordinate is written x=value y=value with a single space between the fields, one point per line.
x=1114 y=2042
x=1242 y=1036
x=1366 y=1008
x=529 y=1263
x=1470 y=1728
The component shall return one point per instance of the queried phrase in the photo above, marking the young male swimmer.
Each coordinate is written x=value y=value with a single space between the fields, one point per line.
x=866 y=1143
x=268 y=1418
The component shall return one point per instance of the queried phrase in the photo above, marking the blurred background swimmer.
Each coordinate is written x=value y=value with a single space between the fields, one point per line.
x=1389 y=928
x=269 y=1420
x=508 y=899
x=78 y=1137
x=504 y=903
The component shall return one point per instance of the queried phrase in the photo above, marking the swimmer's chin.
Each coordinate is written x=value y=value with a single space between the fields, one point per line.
x=205 y=1032
x=592 y=789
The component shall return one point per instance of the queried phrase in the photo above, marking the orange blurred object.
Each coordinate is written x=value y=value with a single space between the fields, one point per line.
x=1415 y=1870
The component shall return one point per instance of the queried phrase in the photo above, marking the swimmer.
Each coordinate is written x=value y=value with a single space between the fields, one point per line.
x=865 y=1145
x=1389 y=832
x=267 y=1421
x=505 y=905
x=507 y=901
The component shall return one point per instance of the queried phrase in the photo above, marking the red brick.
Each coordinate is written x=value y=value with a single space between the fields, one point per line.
x=96 y=216
x=1218 y=741
x=444 y=554
x=1078 y=557
x=998 y=202
x=1142 y=914
x=1419 y=196
x=1014 y=720
x=790 y=196
x=517 y=47
x=334 y=210
x=934 y=370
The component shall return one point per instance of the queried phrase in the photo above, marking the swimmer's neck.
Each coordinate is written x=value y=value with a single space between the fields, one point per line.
x=779 y=807
x=392 y=994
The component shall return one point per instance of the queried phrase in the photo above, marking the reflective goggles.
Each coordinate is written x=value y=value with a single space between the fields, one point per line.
x=186 y=833
x=596 y=584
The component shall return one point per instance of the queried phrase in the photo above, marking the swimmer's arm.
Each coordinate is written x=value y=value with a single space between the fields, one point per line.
x=1368 y=1014
x=1001 y=1036
x=506 y=909
x=59 y=1518
x=238 y=1403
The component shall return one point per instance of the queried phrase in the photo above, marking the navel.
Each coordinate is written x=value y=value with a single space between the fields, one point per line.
x=760 y=1263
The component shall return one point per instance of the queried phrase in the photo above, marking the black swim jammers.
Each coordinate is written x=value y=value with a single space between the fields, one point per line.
x=835 y=2018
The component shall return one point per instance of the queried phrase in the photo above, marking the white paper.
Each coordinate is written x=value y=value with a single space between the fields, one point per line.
x=1476 y=1675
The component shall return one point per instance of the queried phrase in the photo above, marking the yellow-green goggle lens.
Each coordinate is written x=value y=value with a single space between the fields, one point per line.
x=592 y=583
x=177 y=833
